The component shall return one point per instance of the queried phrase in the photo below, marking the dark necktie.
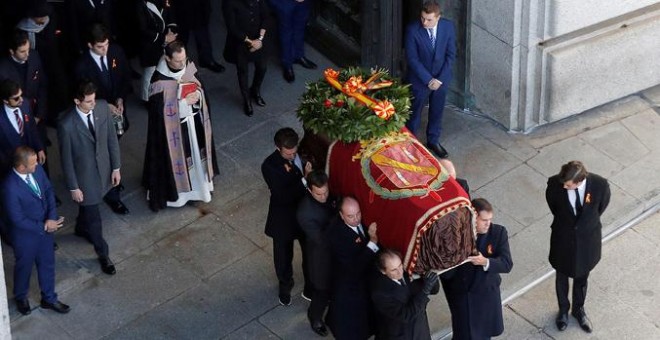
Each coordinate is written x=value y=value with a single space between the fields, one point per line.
x=107 y=80
x=578 y=203
x=432 y=37
x=361 y=233
x=481 y=242
x=19 y=122
x=90 y=126
x=402 y=282
x=104 y=68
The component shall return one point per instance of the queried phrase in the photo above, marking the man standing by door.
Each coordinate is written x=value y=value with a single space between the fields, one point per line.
x=430 y=51
x=576 y=199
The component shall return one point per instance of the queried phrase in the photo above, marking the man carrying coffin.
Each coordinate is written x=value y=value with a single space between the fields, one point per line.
x=180 y=157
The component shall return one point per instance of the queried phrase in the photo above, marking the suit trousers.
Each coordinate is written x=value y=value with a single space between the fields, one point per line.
x=320 y=301
x=579 y=292
x=31 y=248
x=292 y=18
x=283 y=258
x=436 y=100
x=89 y=224
x=243 y=57
x=202 y=39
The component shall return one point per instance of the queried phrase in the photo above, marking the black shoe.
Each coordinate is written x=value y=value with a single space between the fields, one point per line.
x=213 y=66
x=306 y=295
x=23 y=307
x=56 y=306
x=118 y=207
x=285 y=300
x=289 y=76
x=247 y=107
x=319 y=328
x=256 y=96
x=562 y=321
x=107 y=266
x=583 y=320
x=306 y=63
x=438 y=150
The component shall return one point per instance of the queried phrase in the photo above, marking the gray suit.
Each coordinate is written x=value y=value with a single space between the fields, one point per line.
x=87 y=165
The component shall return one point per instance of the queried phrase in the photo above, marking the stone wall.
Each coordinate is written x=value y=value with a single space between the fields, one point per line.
x=535 y=62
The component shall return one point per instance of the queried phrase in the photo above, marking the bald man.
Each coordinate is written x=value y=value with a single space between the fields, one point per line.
x=352 y=251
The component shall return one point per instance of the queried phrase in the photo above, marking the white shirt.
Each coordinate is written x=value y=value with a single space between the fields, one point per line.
x=581 y=190
x=371 y=244
x=12 y=116
x=24 y=177
x=83 y=116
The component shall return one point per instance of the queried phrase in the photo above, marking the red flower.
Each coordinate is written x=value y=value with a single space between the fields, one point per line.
x=339 y=103
x=26 y=118
x=358 y=240
x=327 y=103
x=489 y=249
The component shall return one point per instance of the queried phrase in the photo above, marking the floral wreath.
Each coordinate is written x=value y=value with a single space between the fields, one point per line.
x=344 y=107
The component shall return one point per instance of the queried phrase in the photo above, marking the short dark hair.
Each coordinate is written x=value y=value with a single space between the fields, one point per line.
x=481 y=204
x=386 y=254
x=431 y=6
x=175 y=46
x=573 y=171
x=317 y=178
x=286 y=138
x=85 y=88
x=22 y=154
x=8 y=88
x=17 y=38
x=98 y=33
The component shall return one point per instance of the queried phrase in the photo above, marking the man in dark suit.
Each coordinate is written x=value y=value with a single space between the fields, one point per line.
x=82 y=14
x=430 y=46
x=314 y=213
x=246 y=22
x=400 y=304
x=352 y=252
x=194 y=16
x=576 y=199
x=29 y=201
x=89 y=153
x=292 y=16
x=283 y=172
x=473 y=288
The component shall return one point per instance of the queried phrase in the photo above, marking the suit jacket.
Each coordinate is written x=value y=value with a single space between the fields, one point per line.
x=244 y=18
x=400 y=310
x=87 y=163
x=33 y=84
x=313 y=218
x=349 y=314
x=575 y=241
x=26 y=211
x=10 y=139
x=473 y=294
x=425 y=63
x=286 y=191
x=120 y=81
x=81 y=15
x=152 y=31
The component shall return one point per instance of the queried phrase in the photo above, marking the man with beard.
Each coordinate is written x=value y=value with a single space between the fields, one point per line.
x=180 y=158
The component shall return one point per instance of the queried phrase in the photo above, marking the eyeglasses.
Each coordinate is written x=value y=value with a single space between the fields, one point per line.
x=16 y=98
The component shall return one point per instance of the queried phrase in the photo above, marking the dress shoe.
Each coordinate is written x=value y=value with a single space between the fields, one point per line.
x=256 y=96
x=118 y=207
x=583 y=320
x=56 y=306
x=107 y=266
x=562 y=321
x=438 y=150
x=247 y=108
x=306 y=296
x=289 y=76
x=319 y=328
x=213 y=66
x=285 y=300
x=306 y=63
x=23 y=307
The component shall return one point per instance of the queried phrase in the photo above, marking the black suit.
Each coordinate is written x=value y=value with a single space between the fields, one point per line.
x=313 y=218
x=473 y=294
x=111 y=85
x=575 y=241
x=400 y=309
x=82 y=14
x=31 y=78
x=286 y=191
x=349 y=315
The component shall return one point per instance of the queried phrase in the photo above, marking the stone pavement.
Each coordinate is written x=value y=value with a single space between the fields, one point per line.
x=204 y=271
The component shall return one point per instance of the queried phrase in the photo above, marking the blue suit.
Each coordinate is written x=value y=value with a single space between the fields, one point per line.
x=27 y=213
x=426 y=63
x=292 y=18
x=10 y=139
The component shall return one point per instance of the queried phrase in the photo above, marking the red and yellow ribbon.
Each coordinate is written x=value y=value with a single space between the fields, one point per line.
x=354 y=87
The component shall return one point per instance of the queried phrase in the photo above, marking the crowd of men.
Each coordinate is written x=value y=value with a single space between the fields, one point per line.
x=356 y=286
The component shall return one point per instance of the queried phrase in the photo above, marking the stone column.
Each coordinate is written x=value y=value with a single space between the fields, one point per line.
x=5 y=330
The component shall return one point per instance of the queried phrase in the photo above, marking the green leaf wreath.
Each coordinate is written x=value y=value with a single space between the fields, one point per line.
x=361 y=110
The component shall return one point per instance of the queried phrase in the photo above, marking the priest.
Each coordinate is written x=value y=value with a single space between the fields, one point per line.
x=180 y=160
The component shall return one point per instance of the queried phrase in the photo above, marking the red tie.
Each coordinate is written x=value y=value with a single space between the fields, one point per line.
x=19 y=122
